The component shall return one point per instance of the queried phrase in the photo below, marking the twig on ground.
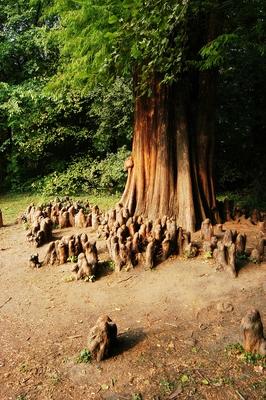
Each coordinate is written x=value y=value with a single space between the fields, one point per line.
x=2 y=305
x=240 y=395
x=124 y=280
x=74 y=337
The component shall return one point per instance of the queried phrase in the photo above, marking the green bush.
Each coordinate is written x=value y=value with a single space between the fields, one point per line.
x=86 y=175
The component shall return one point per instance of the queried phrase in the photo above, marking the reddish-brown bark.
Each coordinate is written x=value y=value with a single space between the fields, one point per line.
x=171 y=169
x=172 y=153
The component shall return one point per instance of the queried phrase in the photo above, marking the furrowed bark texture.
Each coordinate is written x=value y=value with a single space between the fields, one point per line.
x=173 y=143
x=172 y=153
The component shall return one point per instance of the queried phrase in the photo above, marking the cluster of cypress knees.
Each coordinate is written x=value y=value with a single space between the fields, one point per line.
x=61 y=214
x=132 y=240
x=64 y=214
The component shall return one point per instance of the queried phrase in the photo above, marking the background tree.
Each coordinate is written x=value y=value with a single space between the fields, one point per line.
x=68 y=73
x=48 y=125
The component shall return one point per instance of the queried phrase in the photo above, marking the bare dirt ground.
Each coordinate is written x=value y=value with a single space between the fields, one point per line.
x=174 y=324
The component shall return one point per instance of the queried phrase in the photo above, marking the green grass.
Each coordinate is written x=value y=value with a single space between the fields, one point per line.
x=12 y=205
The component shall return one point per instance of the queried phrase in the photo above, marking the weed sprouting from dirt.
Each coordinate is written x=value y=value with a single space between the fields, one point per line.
x=184 y=378
x=207 y=255
x=72 y=259
x=136 y=396
x=84 y=357
x=234 y=348
x=90 y=278
x=167 y=386
x=24 y=368
x=21 y=397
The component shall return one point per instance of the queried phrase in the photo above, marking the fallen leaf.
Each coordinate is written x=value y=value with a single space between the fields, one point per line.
x=104 y=386
x=184 y=378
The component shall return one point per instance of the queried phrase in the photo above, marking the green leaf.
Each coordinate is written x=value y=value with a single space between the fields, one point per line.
x=112 y=19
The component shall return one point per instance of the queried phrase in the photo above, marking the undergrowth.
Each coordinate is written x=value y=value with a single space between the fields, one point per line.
x=236 y=350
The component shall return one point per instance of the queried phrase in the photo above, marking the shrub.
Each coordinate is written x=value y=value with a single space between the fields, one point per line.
x=86 y=175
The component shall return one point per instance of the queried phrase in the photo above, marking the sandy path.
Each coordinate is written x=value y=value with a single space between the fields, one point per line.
x=44 y=319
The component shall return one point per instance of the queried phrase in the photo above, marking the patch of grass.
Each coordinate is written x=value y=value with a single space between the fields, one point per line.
x=84 y=357
x=12 y=205
x=228 y=380
x=142 y=359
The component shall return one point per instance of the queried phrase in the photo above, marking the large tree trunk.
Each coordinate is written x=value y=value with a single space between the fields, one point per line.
x=173 y=144
x=172 y=152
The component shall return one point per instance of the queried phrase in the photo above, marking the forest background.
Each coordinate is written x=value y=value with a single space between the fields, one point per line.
x=66 y=91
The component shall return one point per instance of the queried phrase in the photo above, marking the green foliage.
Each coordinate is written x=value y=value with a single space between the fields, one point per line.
x=241 y=121
x=84 y=357
x=47 y=131
x=86 y=175
x=72 y=259
x=254 y=359
x=234 y=348
x=112 y=111
x=66 y=75
x=237 y=350
x=245 y=198
x=110 y=265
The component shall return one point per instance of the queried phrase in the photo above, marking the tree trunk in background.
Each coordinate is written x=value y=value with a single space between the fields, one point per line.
x=173 y=152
